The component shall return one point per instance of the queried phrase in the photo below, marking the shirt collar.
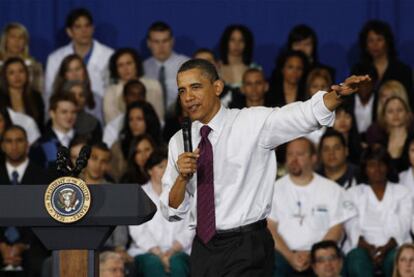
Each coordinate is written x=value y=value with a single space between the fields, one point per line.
x=216 y=124
x=167 y=61
x=21 y=168
x=62 y=136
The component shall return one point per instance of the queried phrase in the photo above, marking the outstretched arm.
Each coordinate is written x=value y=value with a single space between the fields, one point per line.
x=351 y=85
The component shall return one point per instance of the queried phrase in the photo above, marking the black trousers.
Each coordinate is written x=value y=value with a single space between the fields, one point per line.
x=234 y=254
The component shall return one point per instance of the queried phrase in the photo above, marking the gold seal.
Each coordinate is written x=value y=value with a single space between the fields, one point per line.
x=67 y=199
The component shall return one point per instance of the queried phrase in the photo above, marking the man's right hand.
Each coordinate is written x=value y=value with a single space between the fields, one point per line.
x=187 y=163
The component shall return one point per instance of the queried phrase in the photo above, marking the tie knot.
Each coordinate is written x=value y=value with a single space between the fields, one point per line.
x=205 y=130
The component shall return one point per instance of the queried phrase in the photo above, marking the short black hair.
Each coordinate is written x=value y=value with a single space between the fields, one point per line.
x=253 y=70
x=301 y=32
x=15 y=127
x=157 y=156
x=130 y=84
x=113 y=70
x=205 y=66
x=159 y=26
x=379 y=27
x=101 y=146
x=248 y=43
x=376 y=152
x=332 y=133
x=77 y=13
x=326 y=244
x=204 y=50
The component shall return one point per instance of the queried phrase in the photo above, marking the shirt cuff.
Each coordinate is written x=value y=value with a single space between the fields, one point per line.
x=324 y=116
x=170 y=213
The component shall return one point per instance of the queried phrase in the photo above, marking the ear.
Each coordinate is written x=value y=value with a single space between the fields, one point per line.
x=242 y=89
x=346 y=151
x=314 y=159
x=266 y=87
x=218 y=87
x=52 y=114
x=69 y=32
x=148 y=43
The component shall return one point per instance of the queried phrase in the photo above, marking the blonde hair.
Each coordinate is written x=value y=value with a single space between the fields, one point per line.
x=397 y=257
x=317 y=73
x=396 y=88
x=404 y=102
x=5 y=33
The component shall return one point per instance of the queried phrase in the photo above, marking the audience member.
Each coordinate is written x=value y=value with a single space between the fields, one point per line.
x=378 y=54
x=306 y=208
x=254 y=88
x=390 y=88
x=75 y=147
x=125 y=65
x=236 y=54
x=80 y=29
x=59 y=132
x=406 y=177
x=287 y=83
x=140 y=149
x=164 y=62
x=98 y=165
x=345 y=123
x=17 y=93
x=318 y=79
x=86 y=124
x=303 y=38
x=160 y=247
x=14 y=42
x=333 y=153
x=111 y=264
x=404 y=261
x=140 y=119
x=326 y=259
x=19 y=247
x=384 y=217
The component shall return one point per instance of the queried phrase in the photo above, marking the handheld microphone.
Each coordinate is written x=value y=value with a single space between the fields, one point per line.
x=186 y=126
x=82 y=160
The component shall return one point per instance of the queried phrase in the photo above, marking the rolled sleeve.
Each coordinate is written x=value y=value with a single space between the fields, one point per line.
x=170 y=213
x=322 y=114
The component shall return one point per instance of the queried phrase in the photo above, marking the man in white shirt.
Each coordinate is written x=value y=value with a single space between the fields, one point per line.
x=307 y=208
x=61 y=132
x=164 y=63
x=80 y=29
x=326 y=258
x=236 y=183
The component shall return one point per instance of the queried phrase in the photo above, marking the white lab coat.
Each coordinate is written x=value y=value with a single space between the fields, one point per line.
x=97 y=69
x=393 y=220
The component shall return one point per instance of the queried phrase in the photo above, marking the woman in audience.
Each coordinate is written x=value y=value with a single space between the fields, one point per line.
x=287 y=83
x=141 y=148
x=86 y=124
x=390 y=88
x=125 y=64
x=303 y=38
x=407 y=176
x=5 y=122
x=345 y=123
x=17 y=93
x=14 y=42
x=395 y=127
x=160 y=247
x=236 y=54
x=140 y=119
x=73 y=68
x=404 y=261
x=384 y=216
x=318 y=79
x=378 y=53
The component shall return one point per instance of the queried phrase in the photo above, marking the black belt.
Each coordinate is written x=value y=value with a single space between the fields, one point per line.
x=245 y=228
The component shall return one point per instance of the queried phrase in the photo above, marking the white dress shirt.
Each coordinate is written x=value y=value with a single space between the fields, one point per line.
x=244 y=159
x=20 y=169
x=158 y=231
x=306 y=213
x=363 y=114
x=27 y=123
x=378 y=221
x=172 y=64
x=64 y=138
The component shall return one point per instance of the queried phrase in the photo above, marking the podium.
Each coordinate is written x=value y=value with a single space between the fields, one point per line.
x=75 y=245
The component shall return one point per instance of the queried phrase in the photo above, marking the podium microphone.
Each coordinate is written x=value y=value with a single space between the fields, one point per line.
x=186 y=126
x=63 y=161
x=82 y=160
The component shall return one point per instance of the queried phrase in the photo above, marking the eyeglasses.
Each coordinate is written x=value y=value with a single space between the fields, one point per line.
x=325 y=259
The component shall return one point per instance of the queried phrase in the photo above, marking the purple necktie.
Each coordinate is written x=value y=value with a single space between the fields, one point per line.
x=206 y=217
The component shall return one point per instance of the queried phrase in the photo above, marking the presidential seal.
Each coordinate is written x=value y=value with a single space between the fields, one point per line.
x=67 y=199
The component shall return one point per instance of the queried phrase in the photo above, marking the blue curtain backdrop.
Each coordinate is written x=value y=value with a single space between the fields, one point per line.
x=199 y=23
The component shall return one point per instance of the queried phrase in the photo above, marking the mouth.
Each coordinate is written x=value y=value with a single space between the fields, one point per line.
x=193 y=108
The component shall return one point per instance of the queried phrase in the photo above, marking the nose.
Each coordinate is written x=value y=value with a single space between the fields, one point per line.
x=187 y=96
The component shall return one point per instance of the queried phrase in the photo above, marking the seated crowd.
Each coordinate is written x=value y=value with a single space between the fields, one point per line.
x=343 y=200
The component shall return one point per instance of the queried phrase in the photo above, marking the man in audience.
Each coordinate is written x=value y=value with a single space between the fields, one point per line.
x=253 y=89
x=164 y=62
x=80 y=29
x=98 y=165
x=111 y=265
x=333 y=155
x=326 y=259
x=60 y=132
x=134 y=91
x=306 y=208
x=19 y=248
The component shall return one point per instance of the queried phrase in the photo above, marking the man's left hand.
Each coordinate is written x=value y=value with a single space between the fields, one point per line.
x=351 y=85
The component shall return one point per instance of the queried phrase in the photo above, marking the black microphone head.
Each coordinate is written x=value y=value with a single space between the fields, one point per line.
x=186 y=127
x=85 y=152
